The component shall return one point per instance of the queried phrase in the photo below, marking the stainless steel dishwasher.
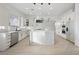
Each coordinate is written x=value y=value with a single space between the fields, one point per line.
x=14 y=38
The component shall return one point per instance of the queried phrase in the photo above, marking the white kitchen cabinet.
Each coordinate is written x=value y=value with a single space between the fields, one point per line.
x=22 y=35
x=5 y=39
x=38 y=36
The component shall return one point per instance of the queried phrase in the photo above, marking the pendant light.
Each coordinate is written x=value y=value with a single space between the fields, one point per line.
x=48 y=3
x=34 y=3
x=41 y=3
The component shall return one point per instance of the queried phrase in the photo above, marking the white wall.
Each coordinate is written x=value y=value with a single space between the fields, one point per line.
x=5 y=12
x=77 y=24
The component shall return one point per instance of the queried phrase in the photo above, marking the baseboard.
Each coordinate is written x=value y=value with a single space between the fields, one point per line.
x=70 y=41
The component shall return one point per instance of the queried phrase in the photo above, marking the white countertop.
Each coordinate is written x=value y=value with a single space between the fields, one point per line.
x=7 y=31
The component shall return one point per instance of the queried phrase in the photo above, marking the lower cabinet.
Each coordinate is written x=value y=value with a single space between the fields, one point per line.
x=14 y=38
x=5 y=39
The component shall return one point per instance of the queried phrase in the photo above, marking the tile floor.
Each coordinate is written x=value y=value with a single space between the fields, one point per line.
x=61 y=47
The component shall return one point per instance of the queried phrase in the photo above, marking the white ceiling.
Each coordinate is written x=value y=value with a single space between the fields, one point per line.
x=53 y=9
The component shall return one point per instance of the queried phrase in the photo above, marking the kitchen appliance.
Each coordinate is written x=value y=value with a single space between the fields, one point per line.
x=14 y=35
x=14 y=38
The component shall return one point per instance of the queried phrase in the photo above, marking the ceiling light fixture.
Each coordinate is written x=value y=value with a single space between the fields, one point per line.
x=41 y=3
x=48 y=3
x=34 y=3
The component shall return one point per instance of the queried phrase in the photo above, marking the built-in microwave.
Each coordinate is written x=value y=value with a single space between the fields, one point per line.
x=39 y=21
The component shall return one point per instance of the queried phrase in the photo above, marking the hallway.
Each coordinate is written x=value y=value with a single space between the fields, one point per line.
x=61 y=47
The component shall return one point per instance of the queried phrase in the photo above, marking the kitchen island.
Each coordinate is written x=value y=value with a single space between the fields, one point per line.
x=42 y=37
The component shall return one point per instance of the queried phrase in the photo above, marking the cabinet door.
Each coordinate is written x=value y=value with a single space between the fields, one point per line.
x=4 y=42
